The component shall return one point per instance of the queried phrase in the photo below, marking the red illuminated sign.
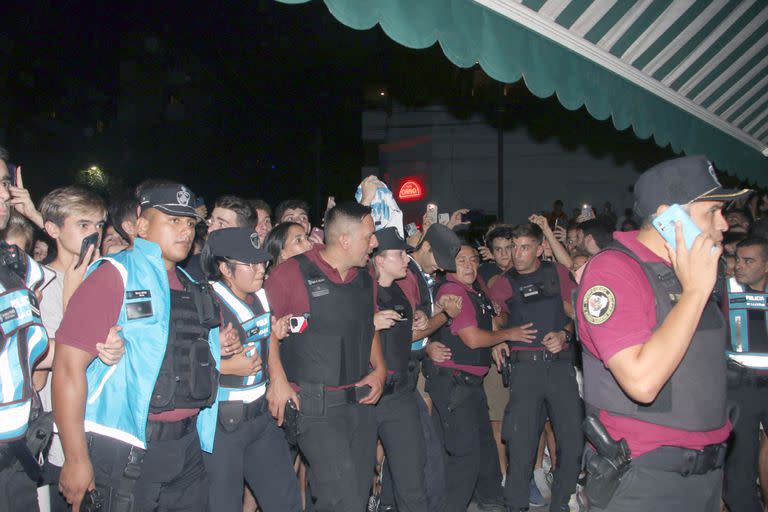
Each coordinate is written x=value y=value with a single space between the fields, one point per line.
x=410 y=190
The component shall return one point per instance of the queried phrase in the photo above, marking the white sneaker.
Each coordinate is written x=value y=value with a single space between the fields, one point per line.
x=543 y=482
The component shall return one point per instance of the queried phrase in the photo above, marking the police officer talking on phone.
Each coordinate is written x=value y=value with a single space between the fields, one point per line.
x=324 y=366
x=653 y=336
x=134 y=432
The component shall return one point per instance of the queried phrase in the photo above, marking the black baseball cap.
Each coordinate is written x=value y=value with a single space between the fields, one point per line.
x=680 y=181
x=239 y=244
x=390 y=239
x=444 y=244
x=172 y=199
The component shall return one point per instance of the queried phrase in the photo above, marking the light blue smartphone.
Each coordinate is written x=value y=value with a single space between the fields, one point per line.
x=665 y=225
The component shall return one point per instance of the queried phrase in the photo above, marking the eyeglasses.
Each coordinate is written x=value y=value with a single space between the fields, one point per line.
x=253 y=266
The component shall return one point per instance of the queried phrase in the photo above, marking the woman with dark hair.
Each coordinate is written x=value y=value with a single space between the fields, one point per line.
x=249 y=444
x=287 y=239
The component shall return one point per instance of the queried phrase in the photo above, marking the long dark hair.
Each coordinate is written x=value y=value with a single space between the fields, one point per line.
x=275 y=241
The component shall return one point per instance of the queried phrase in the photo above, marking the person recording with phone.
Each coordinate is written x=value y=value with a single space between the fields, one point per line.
x=248 y=444
x=653 y=337
x=333 y=371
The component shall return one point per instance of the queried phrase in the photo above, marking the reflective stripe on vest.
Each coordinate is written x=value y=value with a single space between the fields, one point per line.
x=23 y=342
x=740 y=303
x=257 y=329
x=118 y=396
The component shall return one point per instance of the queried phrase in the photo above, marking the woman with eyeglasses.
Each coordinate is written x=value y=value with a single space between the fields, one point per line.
x=248 y=443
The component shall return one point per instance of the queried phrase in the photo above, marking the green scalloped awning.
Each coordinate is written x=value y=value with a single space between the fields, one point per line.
x=692 y=74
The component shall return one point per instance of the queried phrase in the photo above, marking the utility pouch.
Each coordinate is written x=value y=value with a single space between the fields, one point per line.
x=207 y=307
x=312 y=397
x=203 y=378
x=230 y=415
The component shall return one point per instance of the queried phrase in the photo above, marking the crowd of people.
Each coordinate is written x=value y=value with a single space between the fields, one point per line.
x=160 y=356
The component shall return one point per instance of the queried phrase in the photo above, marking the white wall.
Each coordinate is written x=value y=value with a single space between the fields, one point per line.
x=459 y=160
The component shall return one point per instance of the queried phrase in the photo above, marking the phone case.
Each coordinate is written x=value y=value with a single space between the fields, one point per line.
x=665 y=225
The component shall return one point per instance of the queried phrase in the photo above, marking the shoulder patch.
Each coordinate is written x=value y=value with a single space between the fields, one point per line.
x=598 y=305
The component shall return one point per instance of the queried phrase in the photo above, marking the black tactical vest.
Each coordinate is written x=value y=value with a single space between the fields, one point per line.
x=188 y=377
x=396 y=341
x=335 y=348
x=462 y=354
x=694 y=398
x=536 y=298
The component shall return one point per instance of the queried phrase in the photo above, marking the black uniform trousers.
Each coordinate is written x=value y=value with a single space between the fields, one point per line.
x=538 y=389
x=254 y=450
x=399 y=428
x=644 y=489
x=434 y=466
x=471 y=460
x=741 y=464
x=17 y=491
x=172 y=475
x=340 y=449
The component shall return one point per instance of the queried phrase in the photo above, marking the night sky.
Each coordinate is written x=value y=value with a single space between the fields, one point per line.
x=246 y=97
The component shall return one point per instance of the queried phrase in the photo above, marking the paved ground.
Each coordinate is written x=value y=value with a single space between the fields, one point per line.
x=473 y=508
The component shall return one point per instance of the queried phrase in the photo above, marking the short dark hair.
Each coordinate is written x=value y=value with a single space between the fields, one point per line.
x=759 y=228
x=290 y=204
x=344 y=211
x=755 y=241
x=259 y=204
x=275 y=241
x=210 y=264
x=601 y=233
x=122 y=209
x=498 y=232
x=243 y=211
x=530 y=230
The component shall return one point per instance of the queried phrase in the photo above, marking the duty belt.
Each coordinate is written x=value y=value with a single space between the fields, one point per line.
x=459 y=377
x=170 y=430
x=349 y=395
x=743 y=375
x=684 y=461
x=396 y=383
x=540 y=355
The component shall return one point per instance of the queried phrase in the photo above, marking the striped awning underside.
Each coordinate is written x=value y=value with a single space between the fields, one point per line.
x=710 y=57
x=692 y=74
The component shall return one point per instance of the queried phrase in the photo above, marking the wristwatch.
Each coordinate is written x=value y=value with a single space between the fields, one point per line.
x=568 y=335
x=447 y=316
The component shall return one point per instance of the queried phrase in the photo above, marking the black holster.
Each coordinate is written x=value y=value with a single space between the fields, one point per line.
x=605 y=467
x=120 y=497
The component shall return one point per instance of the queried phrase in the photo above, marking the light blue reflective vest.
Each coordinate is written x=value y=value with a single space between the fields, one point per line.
x=740 y=303
x=119 y=396
x=257 y=329
x=23 y=342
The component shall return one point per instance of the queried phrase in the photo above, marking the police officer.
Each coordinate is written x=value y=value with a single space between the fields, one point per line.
x=24 y=343
x=542 y=380
x=397 y=413
x=323 y=365
x=456 y=388
x=248 y=443
x=147 y=417
x=435 y=252
x=652 y=335
x=747 y=358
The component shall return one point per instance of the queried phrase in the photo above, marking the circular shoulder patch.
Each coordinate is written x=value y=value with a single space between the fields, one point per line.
x=598 y=305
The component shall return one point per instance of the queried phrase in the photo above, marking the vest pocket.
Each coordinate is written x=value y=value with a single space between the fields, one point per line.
x=203 y=375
